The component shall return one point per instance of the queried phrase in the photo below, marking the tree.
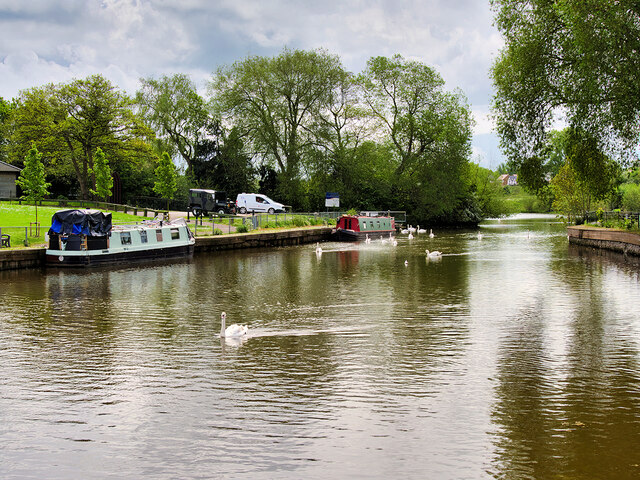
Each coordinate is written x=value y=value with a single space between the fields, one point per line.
x=69 y=121
x=572 y=60
x=102 y=173
x=177 y=113
x=277 y=105
x=5 y=114
x=166 y=184
x=429 y=129
x=32 y=179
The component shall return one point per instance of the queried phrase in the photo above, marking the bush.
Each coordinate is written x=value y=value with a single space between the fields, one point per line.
x=631 y=197
x=217 y=231
x=242 y=228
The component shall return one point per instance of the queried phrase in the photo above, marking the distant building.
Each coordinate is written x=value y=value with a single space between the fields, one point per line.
x=508 y=180
x=8 y=176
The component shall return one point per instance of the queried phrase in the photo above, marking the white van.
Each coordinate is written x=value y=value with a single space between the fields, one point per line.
x=254 y=202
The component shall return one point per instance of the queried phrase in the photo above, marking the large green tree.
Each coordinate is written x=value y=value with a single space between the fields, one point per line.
x=571 y=60
x=70 y=121
x=177 y=113
x=430 y=131
x=278 y=105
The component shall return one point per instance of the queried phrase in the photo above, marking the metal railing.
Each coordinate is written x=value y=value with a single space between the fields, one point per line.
x=617 y=216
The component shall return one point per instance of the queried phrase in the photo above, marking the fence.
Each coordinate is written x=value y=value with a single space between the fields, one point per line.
x=612 y=216
x=113 y=207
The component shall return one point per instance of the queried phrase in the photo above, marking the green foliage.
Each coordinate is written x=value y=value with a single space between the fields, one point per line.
x=32 y=179
x=178 y=115
x=69 y=121
x=242 y=228
x=277 y=104
x=166 y=184
x=574 y=59
x=102 y=173
x=217 y=231
x=631 y=197
x=6 y=109
x=430 y=132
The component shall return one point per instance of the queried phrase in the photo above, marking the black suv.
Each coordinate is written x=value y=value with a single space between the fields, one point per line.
x=203 y=202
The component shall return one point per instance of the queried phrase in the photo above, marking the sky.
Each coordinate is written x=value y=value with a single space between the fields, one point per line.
x=44 y=41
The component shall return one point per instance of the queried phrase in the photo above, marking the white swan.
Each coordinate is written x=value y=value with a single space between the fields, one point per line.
x=318 y=249
x=421 y=230
x=406 y=262
x=479 y=236
x=410 y=236
x=431 y=235
x=412 y=229
x=404 y=231
x=394 y=242
x=433 y=254
x=234 y=330
x=367 y=239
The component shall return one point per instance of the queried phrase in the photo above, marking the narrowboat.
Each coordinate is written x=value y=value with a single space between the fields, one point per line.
x=84 y=238
x=357 y=227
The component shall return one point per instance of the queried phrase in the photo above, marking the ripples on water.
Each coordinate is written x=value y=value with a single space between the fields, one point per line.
x=513 y=356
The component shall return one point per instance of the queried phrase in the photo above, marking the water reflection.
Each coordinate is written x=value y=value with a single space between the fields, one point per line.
x=512 y=356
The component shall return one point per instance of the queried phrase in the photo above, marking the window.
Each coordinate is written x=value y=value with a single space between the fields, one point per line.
x=364 y=225
x=159 y=235
x=125 y=238
x=143 y=236
x=175 y=234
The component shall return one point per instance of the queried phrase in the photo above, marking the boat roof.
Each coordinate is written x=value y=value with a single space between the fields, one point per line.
x=93 y=223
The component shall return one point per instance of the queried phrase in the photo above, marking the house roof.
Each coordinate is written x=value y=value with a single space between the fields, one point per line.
x=5 y=167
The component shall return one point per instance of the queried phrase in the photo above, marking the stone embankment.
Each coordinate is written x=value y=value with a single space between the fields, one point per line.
x=609 y=239
x=35 y=257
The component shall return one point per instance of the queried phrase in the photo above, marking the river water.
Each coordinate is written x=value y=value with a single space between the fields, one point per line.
x=513 y=356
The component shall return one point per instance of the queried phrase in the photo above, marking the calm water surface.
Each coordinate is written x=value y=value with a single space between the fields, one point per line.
x=514 y=356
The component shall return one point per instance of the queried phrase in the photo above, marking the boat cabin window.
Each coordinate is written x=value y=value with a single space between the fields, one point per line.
x=364 y=225
x=159 y=235
x=125 y=238
x=175 y=234
x=143 y=236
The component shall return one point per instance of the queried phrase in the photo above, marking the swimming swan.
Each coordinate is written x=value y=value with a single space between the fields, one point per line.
x=367 y=239
x=431 y=235
x=318 y=249
x=234 y=330
x=421 y=230
x=433 y=254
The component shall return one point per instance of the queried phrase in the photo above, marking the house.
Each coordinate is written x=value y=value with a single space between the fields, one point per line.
x=8 y=176
x=508 y=180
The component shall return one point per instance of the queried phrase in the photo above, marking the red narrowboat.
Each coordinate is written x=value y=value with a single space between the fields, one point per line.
x=358 y=227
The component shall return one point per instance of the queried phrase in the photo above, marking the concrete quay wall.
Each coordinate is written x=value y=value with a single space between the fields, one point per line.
x=35 y=257
x=615 y=240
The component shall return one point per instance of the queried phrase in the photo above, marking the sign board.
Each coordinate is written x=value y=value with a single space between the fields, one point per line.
x=332 y=200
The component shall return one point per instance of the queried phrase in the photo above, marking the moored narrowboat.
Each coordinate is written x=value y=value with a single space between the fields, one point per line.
x=358 y=227
x=83 y=238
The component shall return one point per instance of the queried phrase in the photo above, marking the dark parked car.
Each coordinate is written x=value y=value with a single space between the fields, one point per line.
x=203 y=202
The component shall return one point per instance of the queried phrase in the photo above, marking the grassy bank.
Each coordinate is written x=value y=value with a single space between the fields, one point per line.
x=14 y=218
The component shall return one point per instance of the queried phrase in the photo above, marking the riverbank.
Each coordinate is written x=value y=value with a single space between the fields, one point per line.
x=35 y=257
x=615 y=240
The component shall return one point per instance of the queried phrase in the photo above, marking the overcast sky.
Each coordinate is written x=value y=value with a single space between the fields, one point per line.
x=43 y=41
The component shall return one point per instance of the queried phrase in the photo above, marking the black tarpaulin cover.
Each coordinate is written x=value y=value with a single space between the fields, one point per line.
x=88 y=222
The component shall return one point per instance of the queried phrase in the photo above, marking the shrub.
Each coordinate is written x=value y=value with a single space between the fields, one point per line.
x=217 y=231
x=242 y=228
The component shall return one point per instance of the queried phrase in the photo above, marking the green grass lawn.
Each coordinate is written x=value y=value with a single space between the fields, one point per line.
x=14 y=218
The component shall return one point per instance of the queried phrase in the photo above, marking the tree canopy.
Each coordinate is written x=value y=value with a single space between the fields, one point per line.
x=575 y=61
x=177 y=113
x=70 y=121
